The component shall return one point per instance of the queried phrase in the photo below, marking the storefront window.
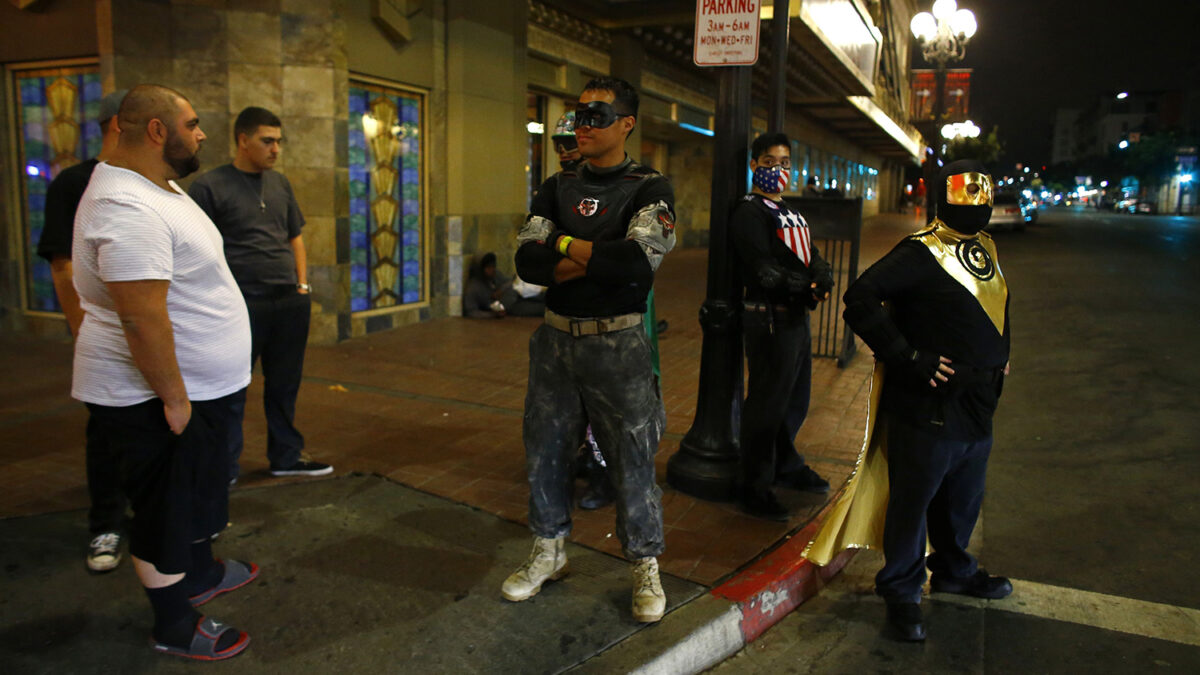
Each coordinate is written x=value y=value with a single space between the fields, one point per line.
x=387 y=229
x=56 y=128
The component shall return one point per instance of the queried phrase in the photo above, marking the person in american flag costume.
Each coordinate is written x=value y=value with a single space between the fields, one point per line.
x=785 y=277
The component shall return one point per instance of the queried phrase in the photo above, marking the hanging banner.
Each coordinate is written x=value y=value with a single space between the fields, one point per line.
x=726 y=33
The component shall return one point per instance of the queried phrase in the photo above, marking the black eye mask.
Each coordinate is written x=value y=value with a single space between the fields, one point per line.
x=597 y=115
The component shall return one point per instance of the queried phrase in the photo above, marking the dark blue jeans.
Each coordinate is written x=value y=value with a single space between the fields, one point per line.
x=279 y=332
x=936 y=490
x=780 y=365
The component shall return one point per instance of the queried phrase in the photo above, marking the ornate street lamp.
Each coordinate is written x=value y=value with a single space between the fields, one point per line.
x=966 y=129
x=943 y=36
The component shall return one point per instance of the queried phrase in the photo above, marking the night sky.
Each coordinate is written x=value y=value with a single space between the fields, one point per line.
x=1033 y=56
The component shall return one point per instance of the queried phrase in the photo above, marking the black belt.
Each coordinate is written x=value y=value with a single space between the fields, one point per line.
x=269 y=291
x=765 y=307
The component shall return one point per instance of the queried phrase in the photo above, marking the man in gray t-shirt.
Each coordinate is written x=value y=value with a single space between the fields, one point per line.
x=257 y=214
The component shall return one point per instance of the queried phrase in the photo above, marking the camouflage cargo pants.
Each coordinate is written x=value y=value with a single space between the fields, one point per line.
x=606 y=380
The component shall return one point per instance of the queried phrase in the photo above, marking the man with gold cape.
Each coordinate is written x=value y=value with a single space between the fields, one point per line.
x=935 y=312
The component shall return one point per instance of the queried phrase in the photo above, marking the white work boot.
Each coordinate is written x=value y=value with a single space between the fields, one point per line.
x=547 y=562
x=649 y=601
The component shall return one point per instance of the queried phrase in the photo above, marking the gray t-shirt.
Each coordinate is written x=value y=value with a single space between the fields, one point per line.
x=257 y=233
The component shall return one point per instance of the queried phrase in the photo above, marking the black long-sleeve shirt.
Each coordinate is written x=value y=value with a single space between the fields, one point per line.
x=764 y=255
x=595 y=206
x=928 y=310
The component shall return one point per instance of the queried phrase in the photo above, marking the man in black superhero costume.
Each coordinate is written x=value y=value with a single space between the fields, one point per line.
x=595 y=236
x=785 y=277
x=943 y=338
x=565 y=145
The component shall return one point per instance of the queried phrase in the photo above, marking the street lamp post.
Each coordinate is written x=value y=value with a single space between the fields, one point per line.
x=706 y=463
x=943 y=36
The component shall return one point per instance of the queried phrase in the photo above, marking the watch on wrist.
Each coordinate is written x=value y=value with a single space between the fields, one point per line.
x=304 y=287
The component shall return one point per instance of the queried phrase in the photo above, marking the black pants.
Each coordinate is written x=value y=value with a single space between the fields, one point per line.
x=936 y=490
x=177 y=485
x=107 y=513
x=279 y=332
x=606 y=380
x=777 y=396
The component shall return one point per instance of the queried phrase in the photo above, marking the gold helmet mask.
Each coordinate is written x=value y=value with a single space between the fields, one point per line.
x=964 y=196
x=969 y=189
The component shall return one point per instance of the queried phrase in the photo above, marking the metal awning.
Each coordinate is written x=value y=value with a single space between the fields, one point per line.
x=833 y=56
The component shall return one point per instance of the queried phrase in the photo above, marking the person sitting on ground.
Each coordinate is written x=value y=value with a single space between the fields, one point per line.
x=492 y=295
x=812 y=188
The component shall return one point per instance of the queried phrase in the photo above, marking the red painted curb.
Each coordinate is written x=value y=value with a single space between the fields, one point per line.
x=780 y=581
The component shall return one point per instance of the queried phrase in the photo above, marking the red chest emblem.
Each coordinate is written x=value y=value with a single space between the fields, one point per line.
x=588 y=207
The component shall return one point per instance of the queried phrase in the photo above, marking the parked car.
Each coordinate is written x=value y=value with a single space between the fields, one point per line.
x=1147 y=207
x=1008 y=212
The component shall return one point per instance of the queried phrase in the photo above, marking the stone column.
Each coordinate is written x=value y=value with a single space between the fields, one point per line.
x=485 y=184
x=225 y=59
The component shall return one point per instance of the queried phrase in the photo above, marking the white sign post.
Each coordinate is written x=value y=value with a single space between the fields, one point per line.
x=726 y=33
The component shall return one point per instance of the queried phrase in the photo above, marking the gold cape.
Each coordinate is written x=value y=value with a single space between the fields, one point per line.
x=857 y=517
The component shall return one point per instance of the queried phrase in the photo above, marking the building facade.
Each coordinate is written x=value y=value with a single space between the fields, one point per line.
x=416 y=130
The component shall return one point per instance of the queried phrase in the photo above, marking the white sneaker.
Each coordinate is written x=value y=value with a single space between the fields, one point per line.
x=104 y=553
x=649 y=601
x=547 y=562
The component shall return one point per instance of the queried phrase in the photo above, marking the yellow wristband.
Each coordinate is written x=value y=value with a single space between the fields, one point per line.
x=565 y=243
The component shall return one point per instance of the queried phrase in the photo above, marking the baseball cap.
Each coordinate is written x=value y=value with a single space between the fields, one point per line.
x=111 y=104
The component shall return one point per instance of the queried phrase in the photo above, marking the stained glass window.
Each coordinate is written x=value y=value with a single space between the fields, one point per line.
x=56 y=118
x=386 y=198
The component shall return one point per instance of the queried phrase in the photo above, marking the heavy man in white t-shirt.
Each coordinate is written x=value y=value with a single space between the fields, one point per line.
x=164 y=345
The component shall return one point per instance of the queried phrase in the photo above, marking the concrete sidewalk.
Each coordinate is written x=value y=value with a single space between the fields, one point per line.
x=396 y=563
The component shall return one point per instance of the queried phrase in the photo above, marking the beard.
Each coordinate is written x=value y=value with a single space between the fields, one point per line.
x=177 y=156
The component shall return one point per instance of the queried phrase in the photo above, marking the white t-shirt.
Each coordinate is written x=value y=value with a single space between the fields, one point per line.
x=129 y=229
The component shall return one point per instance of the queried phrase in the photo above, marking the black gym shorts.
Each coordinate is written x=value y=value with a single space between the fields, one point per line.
x=178 y=486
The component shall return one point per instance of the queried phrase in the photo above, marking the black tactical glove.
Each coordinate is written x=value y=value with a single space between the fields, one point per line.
x=770 y=276
x=823 y=276
x=799 y=284
x=918 y=365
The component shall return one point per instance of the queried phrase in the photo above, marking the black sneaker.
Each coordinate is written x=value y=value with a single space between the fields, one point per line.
x=303 y=468
x=765 y=505
x=104 y=552
x=980 y=585
x=905 y=622
x=804 y=480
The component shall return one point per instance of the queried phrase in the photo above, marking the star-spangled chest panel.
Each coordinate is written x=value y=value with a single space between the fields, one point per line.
x=792 y=230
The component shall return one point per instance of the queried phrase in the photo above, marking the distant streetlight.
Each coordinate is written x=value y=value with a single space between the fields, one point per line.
x=1123 y=144
x=966 y=129
x=943 y=36
x=1122 y=96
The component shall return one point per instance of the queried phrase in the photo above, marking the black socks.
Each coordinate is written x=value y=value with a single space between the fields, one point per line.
x=174 y=617
x=206 y=572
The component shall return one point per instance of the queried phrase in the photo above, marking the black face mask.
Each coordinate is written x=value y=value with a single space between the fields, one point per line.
x=968 y=219
x=597 y=115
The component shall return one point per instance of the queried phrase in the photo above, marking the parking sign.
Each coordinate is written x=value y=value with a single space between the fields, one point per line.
x=726 y=33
